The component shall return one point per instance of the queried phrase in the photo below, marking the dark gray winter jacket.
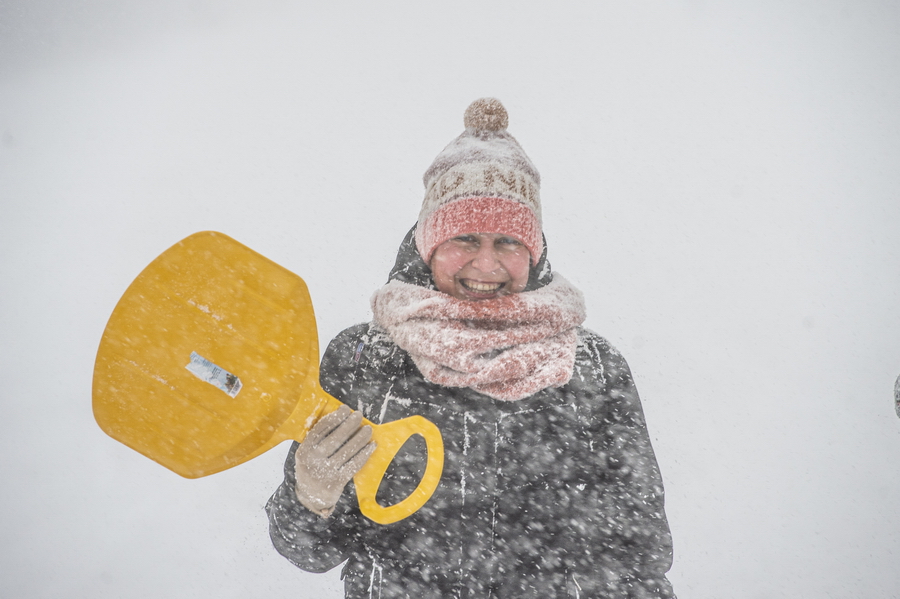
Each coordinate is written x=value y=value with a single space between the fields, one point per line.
x=556 y=495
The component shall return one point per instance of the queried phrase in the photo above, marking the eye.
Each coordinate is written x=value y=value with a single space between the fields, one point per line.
x=508 y=241
x=466 y=239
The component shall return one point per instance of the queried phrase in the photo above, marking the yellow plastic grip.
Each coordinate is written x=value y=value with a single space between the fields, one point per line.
x=390 y=437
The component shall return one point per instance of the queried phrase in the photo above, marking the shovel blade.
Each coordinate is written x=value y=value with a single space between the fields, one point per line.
x=207 y=356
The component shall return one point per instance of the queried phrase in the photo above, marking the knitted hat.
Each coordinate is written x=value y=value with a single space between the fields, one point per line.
x=482 y=182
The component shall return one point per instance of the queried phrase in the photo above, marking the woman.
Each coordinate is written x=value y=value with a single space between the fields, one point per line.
x=550 y=486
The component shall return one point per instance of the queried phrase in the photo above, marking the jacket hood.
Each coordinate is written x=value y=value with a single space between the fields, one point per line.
x=410 y=268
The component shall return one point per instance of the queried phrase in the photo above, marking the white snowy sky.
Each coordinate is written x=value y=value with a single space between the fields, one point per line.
x=723 y=182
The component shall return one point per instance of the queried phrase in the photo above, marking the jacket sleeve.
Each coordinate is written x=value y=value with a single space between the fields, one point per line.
x=629 y=546
x=308 y=541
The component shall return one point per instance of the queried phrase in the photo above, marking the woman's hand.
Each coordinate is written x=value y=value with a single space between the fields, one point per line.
x=333 y=451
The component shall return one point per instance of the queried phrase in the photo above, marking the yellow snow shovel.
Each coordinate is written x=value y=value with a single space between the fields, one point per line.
x=212 y=357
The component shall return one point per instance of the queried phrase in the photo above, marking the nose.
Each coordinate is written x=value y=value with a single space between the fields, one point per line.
x=485 y=258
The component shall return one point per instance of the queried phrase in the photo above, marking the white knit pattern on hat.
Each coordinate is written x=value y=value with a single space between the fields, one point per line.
x=488 y=179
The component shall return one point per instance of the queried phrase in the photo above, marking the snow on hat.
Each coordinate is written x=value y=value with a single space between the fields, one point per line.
x=482 y=182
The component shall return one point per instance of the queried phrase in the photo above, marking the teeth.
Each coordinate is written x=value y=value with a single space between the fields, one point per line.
x=482 y=287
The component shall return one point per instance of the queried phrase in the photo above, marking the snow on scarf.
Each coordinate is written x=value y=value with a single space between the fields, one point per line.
x=507 y=348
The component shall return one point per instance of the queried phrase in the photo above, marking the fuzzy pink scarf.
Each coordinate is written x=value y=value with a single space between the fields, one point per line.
x=507 y=348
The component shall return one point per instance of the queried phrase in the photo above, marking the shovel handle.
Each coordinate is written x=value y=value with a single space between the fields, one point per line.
x=389 y=438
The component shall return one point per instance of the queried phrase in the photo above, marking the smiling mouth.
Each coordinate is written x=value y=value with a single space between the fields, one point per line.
x=482 y=287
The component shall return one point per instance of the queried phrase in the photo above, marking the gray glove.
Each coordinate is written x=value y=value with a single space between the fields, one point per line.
x=332 y=452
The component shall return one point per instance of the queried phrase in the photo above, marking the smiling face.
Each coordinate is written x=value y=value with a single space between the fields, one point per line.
x=478 y=266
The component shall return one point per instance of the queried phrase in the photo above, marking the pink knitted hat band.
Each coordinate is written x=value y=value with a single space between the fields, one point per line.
x=480 y=215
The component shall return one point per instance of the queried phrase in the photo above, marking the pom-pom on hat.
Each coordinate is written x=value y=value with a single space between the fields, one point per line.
x=482 y=182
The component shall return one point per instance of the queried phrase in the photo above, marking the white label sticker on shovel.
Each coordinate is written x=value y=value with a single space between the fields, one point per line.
x=217 y=376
